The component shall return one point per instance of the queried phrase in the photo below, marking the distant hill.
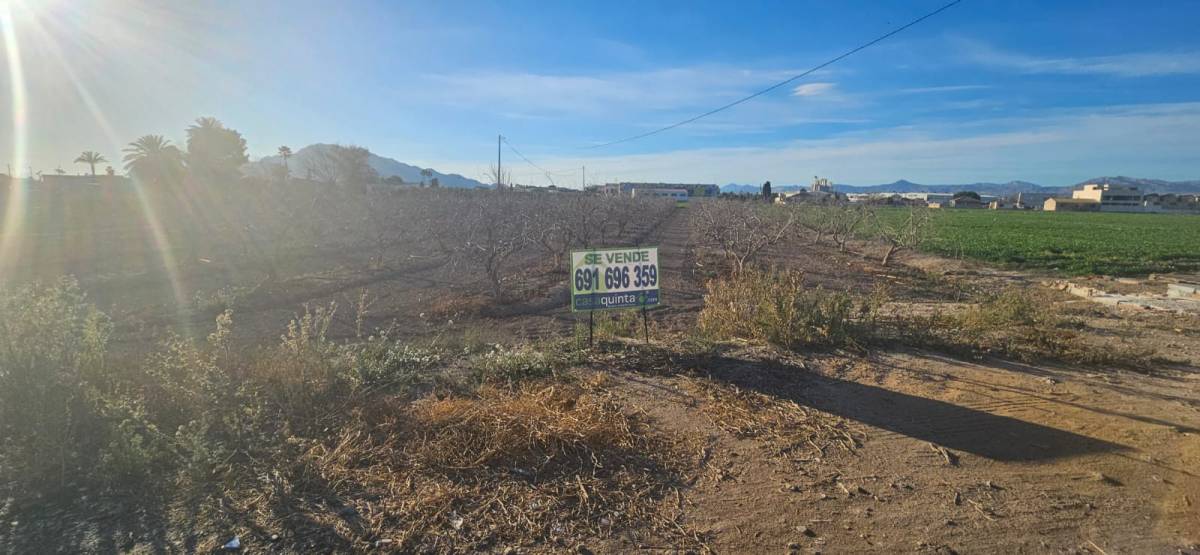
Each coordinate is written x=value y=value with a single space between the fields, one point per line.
x=996 y=189
x=386 y=167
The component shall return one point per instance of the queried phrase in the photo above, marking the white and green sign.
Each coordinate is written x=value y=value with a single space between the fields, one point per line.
x=614 y=278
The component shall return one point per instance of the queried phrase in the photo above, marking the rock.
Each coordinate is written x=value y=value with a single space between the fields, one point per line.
x=793 y=546
x=582 y=550
x=274 y=537
x=806 y=531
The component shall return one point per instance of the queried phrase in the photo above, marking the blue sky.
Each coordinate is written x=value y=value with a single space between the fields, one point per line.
x=1050 y=92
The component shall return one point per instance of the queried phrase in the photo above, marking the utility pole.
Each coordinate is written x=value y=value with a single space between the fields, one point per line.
x=499 y=172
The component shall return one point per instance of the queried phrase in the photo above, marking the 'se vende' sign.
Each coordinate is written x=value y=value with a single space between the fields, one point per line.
x=623 y=277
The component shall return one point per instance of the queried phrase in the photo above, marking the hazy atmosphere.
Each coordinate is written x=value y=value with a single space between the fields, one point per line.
x=994 y=91
x=590 y=277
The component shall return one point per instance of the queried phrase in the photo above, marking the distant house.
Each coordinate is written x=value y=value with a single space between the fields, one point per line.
x=821 y=185
x=1030 y=201
x=693 y=189
x=675 y=194
x=1171 y=202
x=965 y=202
x=1112 y=198
x=1071 y=205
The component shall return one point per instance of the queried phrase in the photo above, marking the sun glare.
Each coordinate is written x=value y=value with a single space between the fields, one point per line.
x=34 y=19
x=15 y=203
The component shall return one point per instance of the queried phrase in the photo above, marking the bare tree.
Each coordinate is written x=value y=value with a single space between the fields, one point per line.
x=740 y=229
x=341 y=166
x=481 y=231
x=497 y=176
x=846 y=220
x=908 y=233
x=815 y=219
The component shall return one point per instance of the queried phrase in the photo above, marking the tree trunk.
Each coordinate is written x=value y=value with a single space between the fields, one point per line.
x=887 y=256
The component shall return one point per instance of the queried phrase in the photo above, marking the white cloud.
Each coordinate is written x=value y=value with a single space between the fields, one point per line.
x=813 y=89
x=1142 y=64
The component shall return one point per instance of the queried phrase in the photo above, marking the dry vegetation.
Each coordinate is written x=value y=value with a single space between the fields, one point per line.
x=323 y=444
x=382 y=441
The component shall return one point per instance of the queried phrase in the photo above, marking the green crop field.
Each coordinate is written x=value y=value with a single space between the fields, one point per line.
x=1071 y=243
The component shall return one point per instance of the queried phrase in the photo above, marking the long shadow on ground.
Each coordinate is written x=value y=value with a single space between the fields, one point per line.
x=953 y=426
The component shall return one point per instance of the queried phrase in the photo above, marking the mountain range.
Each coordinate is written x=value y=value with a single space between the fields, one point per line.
x=385 y=167
x=997 y=189
x=388 y=167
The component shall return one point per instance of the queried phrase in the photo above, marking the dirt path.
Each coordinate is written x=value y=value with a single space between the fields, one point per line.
x=1046 y=460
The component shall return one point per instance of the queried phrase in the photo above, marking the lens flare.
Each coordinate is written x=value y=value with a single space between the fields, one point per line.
x=14 y=211
x=48 y=41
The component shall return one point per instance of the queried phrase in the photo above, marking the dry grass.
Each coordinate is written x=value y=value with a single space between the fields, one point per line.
x=540 y=466
x=777 y=307
x=797 y=432
x=1030 y=325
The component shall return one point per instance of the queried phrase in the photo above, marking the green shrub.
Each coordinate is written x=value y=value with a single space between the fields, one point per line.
x=136 y=449
x=51 y=342
x=511 y=366
x=380 y=362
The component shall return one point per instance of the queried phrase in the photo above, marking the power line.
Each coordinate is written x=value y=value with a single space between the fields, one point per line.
x=549 y=175
x=847 y=54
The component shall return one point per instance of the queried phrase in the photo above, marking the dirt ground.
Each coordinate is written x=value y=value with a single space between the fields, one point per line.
x=968 y=456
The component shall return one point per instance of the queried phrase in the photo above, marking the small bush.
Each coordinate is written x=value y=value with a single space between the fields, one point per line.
x=380 y=362
x=510 y=366
x=776 y=307
x=51 y=343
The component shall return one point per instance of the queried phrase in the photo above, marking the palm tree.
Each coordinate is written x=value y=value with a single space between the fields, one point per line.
x=285 y=152
x=215 y=153
x=207 y=122
x=90 y=158
x=153 y=159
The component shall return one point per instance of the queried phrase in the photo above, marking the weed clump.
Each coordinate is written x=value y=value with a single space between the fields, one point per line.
x=1020 y=324
x=776 y=307
x=511 y=366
